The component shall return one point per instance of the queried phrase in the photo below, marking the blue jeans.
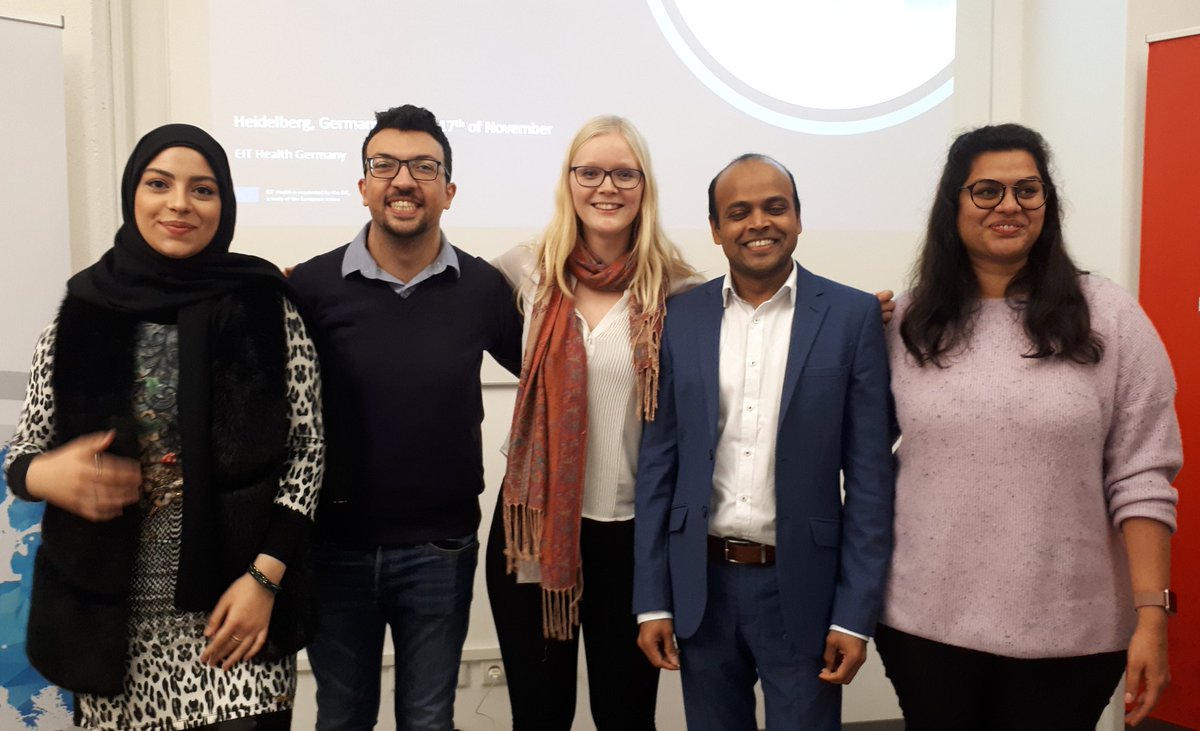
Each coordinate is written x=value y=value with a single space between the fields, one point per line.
x=424 y=594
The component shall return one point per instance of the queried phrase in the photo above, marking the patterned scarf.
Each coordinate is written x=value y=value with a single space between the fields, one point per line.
x=543 y=485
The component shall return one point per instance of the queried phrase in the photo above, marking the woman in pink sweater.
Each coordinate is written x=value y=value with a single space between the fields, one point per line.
x=1034 y=505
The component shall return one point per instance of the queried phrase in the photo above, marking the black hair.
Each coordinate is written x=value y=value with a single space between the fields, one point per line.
x=1046 y=289
x=712 y=186
x=410 y=118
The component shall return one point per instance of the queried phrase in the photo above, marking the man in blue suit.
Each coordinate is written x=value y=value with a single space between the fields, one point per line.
x=774 y=383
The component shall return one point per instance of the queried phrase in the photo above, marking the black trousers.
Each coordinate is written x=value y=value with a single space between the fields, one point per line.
x=952 y=688
x=541 y=673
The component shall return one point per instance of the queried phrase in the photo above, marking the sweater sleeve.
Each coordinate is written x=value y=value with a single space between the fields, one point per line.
x=36 y=432
x=514 y=266
x=296 y=501
x=1143 y=451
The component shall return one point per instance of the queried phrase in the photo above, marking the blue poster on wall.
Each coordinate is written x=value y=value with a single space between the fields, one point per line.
x=27 y=700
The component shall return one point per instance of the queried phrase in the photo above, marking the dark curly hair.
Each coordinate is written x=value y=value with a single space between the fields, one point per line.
x=1046 y=289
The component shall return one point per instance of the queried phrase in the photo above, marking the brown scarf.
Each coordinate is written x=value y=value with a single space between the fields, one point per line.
x=547 y=451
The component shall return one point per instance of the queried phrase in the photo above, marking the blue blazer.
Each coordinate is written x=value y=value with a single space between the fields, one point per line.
x=832 y=556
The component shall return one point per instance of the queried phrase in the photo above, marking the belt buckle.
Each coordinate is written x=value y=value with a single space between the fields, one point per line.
x=762 y=552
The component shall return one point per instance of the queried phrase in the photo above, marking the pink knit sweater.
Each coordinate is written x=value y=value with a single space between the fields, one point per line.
x=1015 y=475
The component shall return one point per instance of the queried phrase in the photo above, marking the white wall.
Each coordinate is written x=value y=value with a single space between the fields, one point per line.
x=1074 y=69
x=33 y=118
x=92 y=113
x=1073 y=95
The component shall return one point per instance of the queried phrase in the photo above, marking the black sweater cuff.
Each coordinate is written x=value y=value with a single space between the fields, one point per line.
x=17 y=470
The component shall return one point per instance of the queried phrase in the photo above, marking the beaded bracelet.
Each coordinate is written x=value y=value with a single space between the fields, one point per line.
x=261 y=578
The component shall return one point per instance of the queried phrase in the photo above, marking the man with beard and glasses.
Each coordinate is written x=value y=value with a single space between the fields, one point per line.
x=402 y=319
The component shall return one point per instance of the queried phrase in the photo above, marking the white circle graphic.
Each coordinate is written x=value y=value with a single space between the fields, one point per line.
x=815 y=66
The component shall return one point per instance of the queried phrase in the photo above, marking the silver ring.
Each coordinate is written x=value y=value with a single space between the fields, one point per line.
x=236 y=639
x=99 y=465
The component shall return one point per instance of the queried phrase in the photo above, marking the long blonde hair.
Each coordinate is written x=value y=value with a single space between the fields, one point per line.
x=658 y=259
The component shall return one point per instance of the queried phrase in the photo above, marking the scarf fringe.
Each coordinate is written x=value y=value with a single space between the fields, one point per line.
x=522 y=542
x=647 y=385
x=522 y=535
x=646 y=337
x=560 y=611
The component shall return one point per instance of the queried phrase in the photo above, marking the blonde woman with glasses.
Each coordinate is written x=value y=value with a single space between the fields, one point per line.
x=593 y=288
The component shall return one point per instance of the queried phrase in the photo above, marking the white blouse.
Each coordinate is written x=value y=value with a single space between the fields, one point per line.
x=614 y=422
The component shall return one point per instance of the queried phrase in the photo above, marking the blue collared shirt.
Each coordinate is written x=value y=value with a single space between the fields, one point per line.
x=358 y=259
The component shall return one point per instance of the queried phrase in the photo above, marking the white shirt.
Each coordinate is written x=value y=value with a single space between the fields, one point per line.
x=753 y=356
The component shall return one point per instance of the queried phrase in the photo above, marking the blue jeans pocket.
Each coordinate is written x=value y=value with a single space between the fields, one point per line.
x=453 y=546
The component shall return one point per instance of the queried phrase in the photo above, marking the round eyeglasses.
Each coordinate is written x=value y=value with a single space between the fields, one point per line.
x=389 y=167
x=1030 y=194
x=593 y=177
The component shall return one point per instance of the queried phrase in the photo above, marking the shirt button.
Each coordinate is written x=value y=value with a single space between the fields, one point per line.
x=753 y=363
x=746 y=453
x=743 y=498
x=749 y=408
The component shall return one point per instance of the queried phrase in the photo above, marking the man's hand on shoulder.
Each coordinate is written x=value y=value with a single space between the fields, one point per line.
x=887 y=304
x=844 y=655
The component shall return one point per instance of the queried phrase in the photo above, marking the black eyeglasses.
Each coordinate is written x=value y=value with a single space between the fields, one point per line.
x=387 y=168
x=1030 y=193
x=593 y=177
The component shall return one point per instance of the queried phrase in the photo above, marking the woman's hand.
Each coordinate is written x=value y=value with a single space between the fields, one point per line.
x=80 y=478
x=1147 y=673
x=237 y=627
x=1148 y=546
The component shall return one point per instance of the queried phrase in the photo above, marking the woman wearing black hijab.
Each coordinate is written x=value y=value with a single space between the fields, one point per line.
x=172 y=426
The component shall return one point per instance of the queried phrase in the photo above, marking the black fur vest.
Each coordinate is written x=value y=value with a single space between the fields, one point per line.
x=79 y=612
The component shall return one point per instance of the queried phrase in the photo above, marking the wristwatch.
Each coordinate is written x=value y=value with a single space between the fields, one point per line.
x=1165 y=599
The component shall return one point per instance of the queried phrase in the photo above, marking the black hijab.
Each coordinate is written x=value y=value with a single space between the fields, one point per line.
x=133 y=278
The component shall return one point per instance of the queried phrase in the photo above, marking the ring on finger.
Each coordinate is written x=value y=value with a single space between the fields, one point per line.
x=237 y=640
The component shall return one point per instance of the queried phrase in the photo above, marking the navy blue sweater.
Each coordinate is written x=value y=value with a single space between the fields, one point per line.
x=403 y=405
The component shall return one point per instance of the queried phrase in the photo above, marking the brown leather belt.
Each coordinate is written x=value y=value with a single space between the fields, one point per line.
x=735 y=550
